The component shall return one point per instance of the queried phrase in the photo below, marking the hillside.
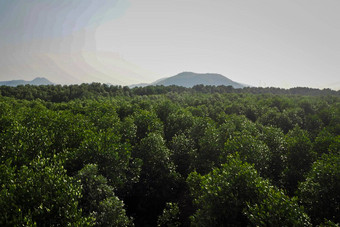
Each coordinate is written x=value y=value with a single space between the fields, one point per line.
x=36 y=81
x=190 y=79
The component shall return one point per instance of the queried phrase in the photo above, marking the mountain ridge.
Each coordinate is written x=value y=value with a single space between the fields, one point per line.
x=35 y=81
x=190 y=79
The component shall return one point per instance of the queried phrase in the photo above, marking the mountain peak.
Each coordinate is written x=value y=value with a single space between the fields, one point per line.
x=35 y=81
x=190 y=79
x=40 y=81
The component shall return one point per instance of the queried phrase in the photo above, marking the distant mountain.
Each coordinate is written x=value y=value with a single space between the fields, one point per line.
x=190 y=79
x=139 y=85
x=36 y=81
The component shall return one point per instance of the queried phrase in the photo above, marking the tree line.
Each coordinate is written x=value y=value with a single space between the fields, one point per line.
x=98 y=155
x=65 y=93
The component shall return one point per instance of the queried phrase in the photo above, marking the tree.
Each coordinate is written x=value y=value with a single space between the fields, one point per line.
x=313 y=124
x=209 y=147
x=99 y=200
x=319 y=193
x=177 y=123
x=276 y=209
x=113 y=158
x=275 y=140
x=22 y=143
x=235 y=195
x=300 y=158
x=182 y=151
x=146 y=122
x=157 y=183
x=324 y=142
x=170 y=216
x=273 y=117
x=40 y=193
x=250 y=149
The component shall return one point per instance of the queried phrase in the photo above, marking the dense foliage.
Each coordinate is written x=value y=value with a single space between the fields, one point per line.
x=98 y=155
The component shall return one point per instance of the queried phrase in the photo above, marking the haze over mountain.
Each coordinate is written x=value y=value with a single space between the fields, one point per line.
x=36 y=81
x=190 y=79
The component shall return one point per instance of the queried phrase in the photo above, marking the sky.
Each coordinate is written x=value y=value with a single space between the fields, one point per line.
x=267 y=43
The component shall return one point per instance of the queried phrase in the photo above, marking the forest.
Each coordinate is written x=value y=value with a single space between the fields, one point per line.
x=99 y=155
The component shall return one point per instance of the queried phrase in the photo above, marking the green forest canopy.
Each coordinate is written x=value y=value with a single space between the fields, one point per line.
x=98 y=155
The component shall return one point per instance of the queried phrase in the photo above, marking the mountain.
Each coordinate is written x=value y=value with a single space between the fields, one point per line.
x=36 y=81
x=139 y=85
x=190 y=79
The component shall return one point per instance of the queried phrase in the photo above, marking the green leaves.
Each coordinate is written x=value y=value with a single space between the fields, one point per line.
x=122 y=156
x=146 y=122
x=99 y=200
x=320 y=192
x=41 y=193
x=235 y=195
x=221 y=195
x=277 y=209
x=251 y=150
x=170 y=216
x=300 y=158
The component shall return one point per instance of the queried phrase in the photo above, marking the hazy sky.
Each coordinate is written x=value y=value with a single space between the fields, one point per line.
x=281 y=43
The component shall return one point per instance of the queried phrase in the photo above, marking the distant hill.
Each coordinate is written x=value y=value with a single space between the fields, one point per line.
x=139 y=85
x=36 y=81
x=190 y=79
